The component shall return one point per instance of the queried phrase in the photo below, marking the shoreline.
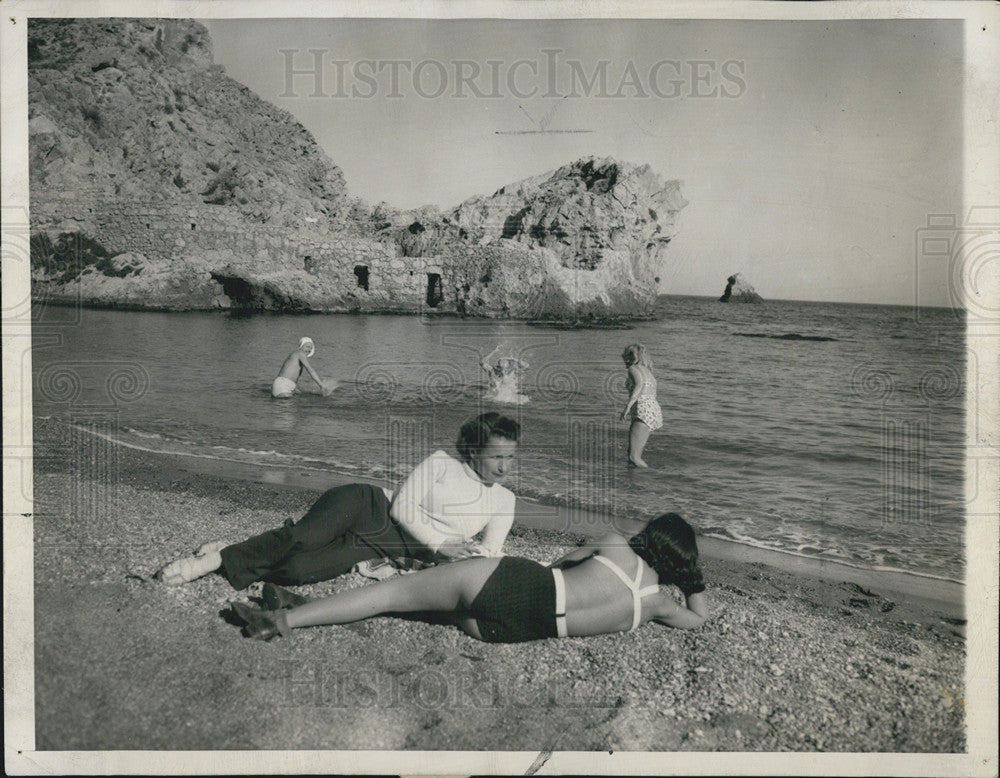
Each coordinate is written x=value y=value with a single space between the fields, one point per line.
x=932 y=590
x=786 y=662
x=73 y=300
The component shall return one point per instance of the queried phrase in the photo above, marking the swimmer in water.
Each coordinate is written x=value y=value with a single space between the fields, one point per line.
x=504 y=374
x=285 y=384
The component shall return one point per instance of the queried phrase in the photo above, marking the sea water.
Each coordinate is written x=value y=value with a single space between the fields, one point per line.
x=830 y=430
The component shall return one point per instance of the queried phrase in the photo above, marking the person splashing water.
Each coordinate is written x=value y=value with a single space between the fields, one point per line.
x=504 y=371
x=285 y=385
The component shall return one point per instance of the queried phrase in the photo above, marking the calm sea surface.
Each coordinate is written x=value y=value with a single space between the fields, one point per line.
x=823 y=429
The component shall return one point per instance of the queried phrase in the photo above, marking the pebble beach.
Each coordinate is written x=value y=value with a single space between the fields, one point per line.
x=786 y=662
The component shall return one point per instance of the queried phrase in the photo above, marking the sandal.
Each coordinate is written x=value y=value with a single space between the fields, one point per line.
x=277 y=598
x=258 y=624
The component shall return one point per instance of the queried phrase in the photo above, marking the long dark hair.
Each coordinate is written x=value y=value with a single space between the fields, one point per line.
x=476 y=433
x=668 y=545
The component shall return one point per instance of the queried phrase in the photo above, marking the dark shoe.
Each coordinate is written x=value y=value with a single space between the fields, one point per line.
x=277 y=598
x=258 y=624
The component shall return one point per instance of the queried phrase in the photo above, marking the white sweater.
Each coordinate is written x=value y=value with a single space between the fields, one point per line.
x=443 y=499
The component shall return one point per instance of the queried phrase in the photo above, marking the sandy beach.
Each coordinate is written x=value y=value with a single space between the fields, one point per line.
x=788 y=662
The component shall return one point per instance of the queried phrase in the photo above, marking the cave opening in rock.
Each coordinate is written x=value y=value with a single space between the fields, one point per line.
x=247 y=296
x=434 y=293
x=242 y=294
x=361 y=273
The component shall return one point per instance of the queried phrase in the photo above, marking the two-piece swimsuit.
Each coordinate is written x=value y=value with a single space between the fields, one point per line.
x=523 y=600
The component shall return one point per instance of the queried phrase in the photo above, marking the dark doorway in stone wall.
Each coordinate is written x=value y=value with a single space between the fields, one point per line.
x=361 y=273
x=434 y=293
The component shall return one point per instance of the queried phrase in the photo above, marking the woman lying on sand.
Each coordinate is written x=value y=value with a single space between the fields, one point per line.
x=612 y=585
x=439 y=509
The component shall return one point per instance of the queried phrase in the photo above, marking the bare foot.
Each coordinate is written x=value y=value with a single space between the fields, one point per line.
x=188 y=568
x=212 y=545
x=637 y=462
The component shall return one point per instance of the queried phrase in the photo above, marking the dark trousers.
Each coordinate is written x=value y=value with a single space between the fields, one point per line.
x=347 y=525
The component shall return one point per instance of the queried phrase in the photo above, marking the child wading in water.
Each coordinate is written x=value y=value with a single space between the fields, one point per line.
x=504 y=375
x=642 y=406
x=286 y=382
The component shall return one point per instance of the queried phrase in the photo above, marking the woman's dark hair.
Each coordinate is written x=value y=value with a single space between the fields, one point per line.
x=668 y=545
x=476 y=433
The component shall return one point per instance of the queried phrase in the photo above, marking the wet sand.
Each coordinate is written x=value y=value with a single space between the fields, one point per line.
x=798 y=655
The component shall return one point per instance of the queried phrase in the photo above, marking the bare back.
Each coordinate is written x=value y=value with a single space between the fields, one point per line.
x=597 y=601
x=291 y=368
x=641 y=376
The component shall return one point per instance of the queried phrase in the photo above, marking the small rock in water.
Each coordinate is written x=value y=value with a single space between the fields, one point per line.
x=739 y=290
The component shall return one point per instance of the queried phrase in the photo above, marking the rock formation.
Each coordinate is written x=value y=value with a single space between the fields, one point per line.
x=159 y=182
x=136 y=109
x=587 y=239
x=739 y=291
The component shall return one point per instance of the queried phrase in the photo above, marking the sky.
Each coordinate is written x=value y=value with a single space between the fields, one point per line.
x=811 y=152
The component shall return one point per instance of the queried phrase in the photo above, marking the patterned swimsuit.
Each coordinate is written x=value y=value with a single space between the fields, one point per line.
x=646 y=409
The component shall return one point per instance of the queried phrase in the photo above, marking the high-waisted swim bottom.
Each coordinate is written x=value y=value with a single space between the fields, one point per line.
x=517 y=603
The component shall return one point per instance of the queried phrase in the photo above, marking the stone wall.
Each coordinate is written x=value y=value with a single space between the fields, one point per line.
x=352 y=273
x=219 y=259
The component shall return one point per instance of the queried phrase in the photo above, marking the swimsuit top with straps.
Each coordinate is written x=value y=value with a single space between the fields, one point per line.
x=631 y=583
x=633 y=586
x=647 y=384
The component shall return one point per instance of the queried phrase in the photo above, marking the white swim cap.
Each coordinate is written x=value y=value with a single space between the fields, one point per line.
x=306 y=345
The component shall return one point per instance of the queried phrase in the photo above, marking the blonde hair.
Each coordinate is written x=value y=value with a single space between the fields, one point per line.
x=636 y=353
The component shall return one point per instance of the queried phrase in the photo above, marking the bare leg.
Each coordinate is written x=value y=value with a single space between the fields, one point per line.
x=638 y=434
x=449 y=587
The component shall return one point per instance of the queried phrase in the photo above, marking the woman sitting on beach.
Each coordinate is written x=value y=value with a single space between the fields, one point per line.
x=439 y=509
x=642 y=406
x=612 y=585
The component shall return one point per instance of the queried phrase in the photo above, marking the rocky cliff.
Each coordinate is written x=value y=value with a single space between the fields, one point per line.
x=591 y=235
x=159 y=182
x=137 y=109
